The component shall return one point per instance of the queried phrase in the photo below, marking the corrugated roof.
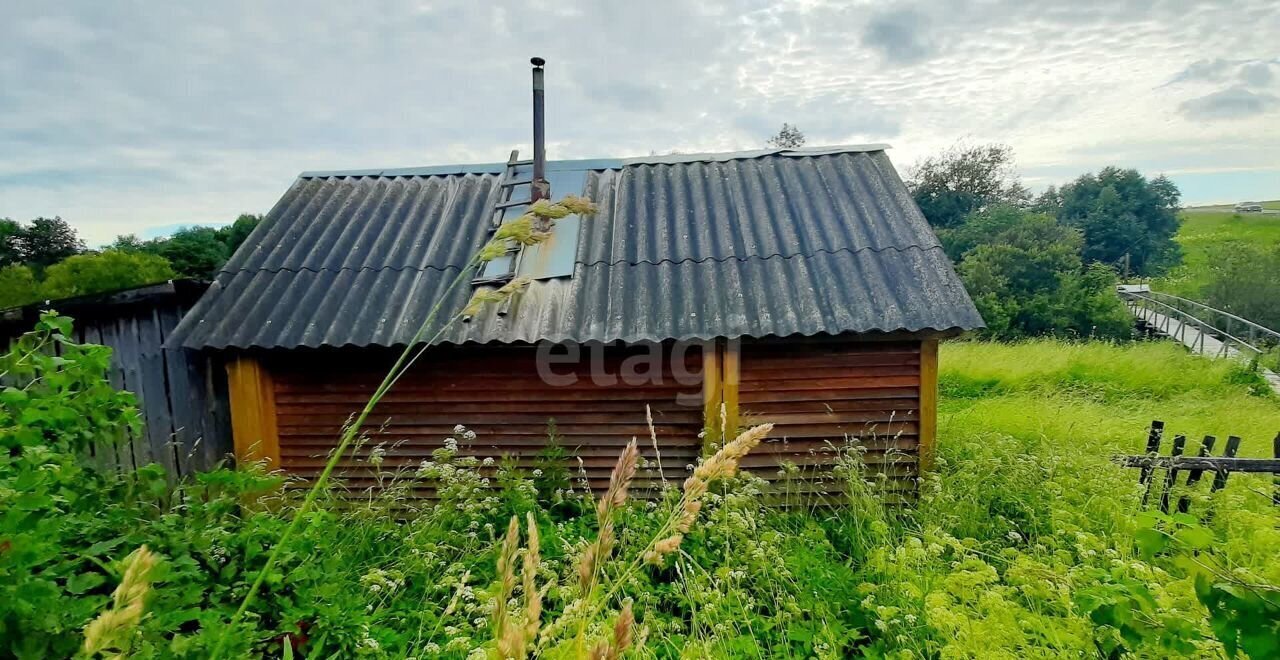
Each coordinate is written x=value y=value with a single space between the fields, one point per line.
x=781 y=242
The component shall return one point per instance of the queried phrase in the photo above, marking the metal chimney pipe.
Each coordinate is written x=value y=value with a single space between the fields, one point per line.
x=540 y=189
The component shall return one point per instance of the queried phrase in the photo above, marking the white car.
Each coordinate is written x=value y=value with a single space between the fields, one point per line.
x=1248 y=207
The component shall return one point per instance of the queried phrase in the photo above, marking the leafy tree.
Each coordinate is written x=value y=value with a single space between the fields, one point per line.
x=789 y=137
x=1246 y=282
x=979 y=228
x=18 y=286
x=1126 y=219
x=234 y=234
x=127 y=243
x=111 y=270
x=964 y=179
x=194 y=252
x=1028 y=279
x=46 y=241
x=10 y=253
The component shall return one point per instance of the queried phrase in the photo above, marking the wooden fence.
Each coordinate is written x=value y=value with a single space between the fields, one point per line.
x=1176 y=464
x=182 y=394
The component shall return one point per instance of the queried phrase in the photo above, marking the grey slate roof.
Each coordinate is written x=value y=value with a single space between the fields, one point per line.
x=782 y=242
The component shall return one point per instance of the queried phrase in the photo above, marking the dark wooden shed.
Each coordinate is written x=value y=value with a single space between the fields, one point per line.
x=800 y=286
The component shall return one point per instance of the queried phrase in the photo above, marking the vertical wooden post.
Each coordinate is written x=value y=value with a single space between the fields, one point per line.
x=1220 y=479
x=712 y=391
x=1153 y=447
x=928 y=424
x=253 y=412
x=1206 y=449
x=1275 y=478
x=729 y=377
x=1171 y=476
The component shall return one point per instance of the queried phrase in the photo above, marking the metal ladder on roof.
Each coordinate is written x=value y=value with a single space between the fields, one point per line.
x=504 y=269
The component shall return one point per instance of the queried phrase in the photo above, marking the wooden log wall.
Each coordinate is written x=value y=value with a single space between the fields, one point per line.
x=829 y=397
x=497 y=393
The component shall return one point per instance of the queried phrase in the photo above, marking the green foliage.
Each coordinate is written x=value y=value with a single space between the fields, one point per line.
x=1026 y=542
x=1127 y=221
x=965 y=179
x=1245 y=281
x=54 y=403
x=105 y=271
x=1026 y=278
x=10 y=252
x=18 y=286
x=195 y=252
x=46 y=241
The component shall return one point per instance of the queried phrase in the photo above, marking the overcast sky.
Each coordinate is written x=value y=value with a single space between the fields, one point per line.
x=132 y=117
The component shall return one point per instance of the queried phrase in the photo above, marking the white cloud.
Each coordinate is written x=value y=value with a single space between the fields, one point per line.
x=121 y=117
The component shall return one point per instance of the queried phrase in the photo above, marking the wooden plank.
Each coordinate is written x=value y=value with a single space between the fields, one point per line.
x=1171 y=476
x=109 y=333
x=159 y=432
x=731 y=381
x=928 y=402
x=712 y=391
x=130 y=351
x=1153 y=448
x=1206 y=449
x=253 y=412
x=1210 y=463
x=184 y=391
x=1220 y=478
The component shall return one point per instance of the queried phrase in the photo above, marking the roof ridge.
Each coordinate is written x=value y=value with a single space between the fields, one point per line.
x=580 y=164
x=620 y=262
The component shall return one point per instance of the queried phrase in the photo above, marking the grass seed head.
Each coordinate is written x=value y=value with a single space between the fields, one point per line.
x=112 y=629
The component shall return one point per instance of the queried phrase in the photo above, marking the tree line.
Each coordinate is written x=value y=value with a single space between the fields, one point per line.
x=45 y=259
x=1047 y=264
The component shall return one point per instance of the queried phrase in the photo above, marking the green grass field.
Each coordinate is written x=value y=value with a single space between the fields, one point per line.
x=1205 y=230
x=1100 y=397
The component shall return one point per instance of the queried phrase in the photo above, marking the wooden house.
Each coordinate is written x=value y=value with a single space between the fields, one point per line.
x=798 y=286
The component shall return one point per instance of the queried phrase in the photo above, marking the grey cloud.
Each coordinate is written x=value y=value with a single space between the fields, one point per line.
x=902 y=36
x=1210 y=70
x=1255 y=72
x=1232 y=103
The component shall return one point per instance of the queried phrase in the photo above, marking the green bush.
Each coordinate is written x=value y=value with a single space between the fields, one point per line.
x=112 y=270
x=1027 y=279
x=18 y=286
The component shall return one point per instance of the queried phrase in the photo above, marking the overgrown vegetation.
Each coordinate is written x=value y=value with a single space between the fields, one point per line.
x=46 y=260
x=1026 y=542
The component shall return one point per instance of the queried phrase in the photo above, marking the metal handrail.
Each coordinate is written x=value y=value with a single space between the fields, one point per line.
x=1203 y=326
x=1268 y=332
